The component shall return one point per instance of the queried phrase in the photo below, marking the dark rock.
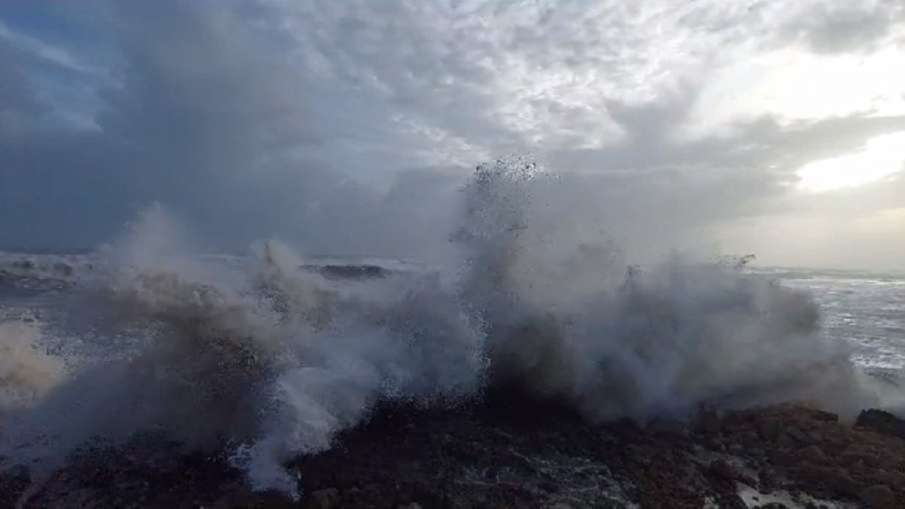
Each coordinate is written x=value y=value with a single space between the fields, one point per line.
x=853 y=456
x=12 y=484
x=822 y=416
x=767 y=480
x=483 y=454
x=709 y=422
x=879 y=496
x=724 y=470
x=750 y=439
x=670 y=429
x=797 y=435
x=757 y=454
x=770 y=429
x=881 y=422
x=785 y=458
x=813 y=454
x=327 y=498
x=827 y=479
x=887 y=477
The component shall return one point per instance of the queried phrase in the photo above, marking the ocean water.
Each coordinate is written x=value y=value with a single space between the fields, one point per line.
x=268 y=354
x=865 y=310
x=861 y=309
x=53 y=324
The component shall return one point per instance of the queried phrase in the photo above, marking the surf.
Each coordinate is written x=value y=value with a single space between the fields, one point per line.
x=266 y=357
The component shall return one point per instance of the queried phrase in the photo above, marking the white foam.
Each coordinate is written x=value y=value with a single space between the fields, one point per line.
x=275 y=360
x=27 y=372
x=753 y=498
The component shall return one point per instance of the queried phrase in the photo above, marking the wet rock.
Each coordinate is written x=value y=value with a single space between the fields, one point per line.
x=887 y=477
x=482 y=456
x=854 y=456
x=767 y=481
x=822 y=416
x=798 y=435
x=12 y=484
x=784 y=457
x=881 y=422
x=879 y=496
x=770 y=429
x=750 y=439
x=327 y=498
x=833 y=480
x=669 y=429
x=724 y=470
x=709 y=422
x=813 y=454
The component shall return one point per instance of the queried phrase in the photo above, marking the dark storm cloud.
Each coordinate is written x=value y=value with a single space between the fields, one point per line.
x=17 y=104
x=680 y=188
x=348 y=126
x=206 y=117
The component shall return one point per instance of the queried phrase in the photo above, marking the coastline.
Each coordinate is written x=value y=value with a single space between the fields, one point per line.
x=518 y=454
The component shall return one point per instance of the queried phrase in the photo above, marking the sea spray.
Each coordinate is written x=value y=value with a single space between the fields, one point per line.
x=261 y=357
x=258 y=357
x=565 y=318
x=27 y=371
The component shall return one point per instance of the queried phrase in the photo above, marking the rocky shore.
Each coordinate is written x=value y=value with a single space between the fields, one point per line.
x=502 y=453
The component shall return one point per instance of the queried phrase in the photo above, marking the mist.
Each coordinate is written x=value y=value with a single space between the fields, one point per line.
x=257 y=356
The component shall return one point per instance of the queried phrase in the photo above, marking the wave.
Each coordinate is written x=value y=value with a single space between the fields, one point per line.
x=45 y=271
x=27 y=371
x=875 y=276
x=270 y=360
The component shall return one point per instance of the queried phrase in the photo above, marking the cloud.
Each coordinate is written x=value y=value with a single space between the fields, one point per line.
x=347 y=127
x=838 y=27
x=17 y=105
x=45 y=51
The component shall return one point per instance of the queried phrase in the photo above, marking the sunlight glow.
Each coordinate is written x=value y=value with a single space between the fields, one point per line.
x=792 y=84
x=881 y=156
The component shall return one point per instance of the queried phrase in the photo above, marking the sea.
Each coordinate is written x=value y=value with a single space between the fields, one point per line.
x=862 y=309
x=272 y=354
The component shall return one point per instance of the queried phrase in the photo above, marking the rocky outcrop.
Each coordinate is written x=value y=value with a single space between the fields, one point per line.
x=881 y=422
x=523 y=454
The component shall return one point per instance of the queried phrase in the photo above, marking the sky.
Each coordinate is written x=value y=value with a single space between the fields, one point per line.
x=749 y=126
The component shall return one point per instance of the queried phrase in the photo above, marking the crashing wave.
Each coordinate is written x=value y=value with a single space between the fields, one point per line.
x=271 y=361
x=27 y=371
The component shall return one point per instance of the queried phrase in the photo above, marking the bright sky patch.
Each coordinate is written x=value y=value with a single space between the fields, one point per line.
x=881 y=156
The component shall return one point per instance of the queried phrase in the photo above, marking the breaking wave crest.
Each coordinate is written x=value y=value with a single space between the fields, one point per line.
x=27 y=371
x=271 y=361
